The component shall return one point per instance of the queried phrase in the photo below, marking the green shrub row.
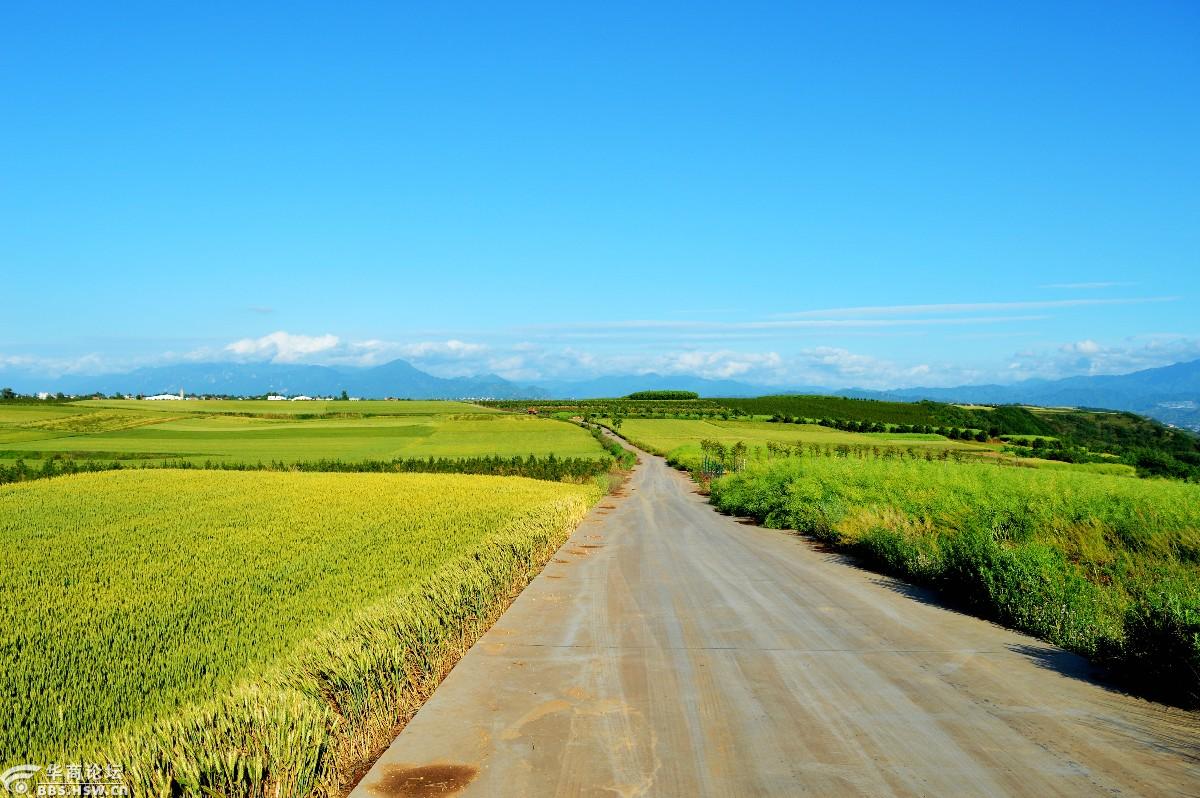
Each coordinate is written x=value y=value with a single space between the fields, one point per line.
x=624 y=458
x=550 y=467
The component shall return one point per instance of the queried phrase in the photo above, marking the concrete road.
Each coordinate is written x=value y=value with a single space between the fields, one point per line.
x=671 y=651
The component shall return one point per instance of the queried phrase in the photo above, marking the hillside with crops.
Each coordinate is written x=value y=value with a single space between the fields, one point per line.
x=1068 y=435
x=247 y=434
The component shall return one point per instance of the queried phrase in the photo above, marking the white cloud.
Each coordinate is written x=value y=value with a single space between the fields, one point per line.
x=56 y=366
x=528 y=362
x=721 y=364
x=837 y=367
x=1089 y=357
x=537 y=359
x=283 y=347
x=452 y=348
x=18 y=361
x=1085 y=347
x=451 y=353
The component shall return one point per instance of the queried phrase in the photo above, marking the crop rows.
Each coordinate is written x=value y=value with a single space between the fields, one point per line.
x=250 y=633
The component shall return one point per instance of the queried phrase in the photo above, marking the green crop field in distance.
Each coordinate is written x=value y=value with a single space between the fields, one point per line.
x=681 y=438
x=387 y=407
x=679 y=441
x=1111 y=469
x=131 y=594
x=254 y=431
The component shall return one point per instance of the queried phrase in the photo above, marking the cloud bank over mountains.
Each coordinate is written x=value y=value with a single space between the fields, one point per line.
x=533 y=361
x=878 y=347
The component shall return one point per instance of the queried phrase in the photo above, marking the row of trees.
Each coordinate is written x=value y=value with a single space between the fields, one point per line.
x=955 y=433
x=720 y=458
x=550 y=468
x=1148 y=462
x=861 y=452
x=624 y=458
x=642 y=396
x=9 y=395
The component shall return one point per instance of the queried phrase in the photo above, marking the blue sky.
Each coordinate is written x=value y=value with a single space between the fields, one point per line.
x=836 y=194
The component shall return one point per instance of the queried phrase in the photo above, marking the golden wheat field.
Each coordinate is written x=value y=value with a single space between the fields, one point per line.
x=155 y=612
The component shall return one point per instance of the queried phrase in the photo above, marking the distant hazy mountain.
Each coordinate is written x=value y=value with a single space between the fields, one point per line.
x=397 y=378
x=1170 y=394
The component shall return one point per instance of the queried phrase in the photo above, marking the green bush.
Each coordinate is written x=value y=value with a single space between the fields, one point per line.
x=663 y=395
x=1161 y=643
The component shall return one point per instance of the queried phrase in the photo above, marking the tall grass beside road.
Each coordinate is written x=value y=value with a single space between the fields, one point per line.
x=1105 y=566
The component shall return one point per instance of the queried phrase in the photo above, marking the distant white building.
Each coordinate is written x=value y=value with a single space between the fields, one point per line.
x=164 y=397
x=275 y=398
x=302 y=399
x=43 y=395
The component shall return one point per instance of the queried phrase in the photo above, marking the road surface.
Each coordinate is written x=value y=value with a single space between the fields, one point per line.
x=671 y=651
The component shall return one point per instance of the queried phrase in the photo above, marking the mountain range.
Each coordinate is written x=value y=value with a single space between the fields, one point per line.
x=1170 y=394
x=397 y=378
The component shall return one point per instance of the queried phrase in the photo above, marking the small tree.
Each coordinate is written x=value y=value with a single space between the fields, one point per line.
x=738 y=455
x=7 y=393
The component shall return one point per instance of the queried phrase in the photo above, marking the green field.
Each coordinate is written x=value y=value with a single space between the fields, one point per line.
x=253 y=431
x=1069 y=435
x=679 y=439
x=1104 y=565
x=838 y=407
x=371 y=407
x=135 y=596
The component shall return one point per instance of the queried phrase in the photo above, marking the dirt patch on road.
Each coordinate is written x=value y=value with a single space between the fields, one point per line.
x=424 y=781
